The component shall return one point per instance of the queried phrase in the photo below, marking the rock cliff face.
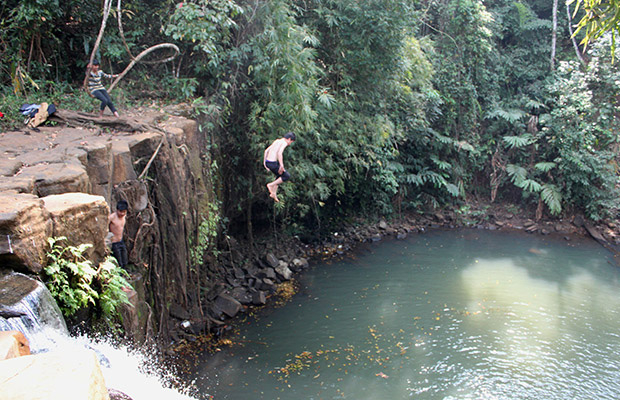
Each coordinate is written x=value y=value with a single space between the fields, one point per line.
x=64 y=181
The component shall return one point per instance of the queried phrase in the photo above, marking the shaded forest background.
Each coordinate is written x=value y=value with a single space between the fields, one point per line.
x=397 y=105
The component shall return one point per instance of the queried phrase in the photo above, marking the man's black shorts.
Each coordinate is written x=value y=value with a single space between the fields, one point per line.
x=274 y=167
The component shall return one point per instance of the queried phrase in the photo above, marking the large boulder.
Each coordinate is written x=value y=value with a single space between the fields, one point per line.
x=225 y=304
x=19 y=184
x=283 y=271
x=58 y=178
x=98 y=161
x=298 y=264
x=54 y=154
x=268 y=273
x=53 y=376
x=26 y=305
x=25 y=226
x=272 y=260
x=259 y=298
x=99 y=167
x=242 y=295
x=81 y=218
x=181 y=130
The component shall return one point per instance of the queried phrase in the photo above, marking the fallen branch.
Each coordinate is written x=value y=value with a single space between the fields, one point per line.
x=152 y=158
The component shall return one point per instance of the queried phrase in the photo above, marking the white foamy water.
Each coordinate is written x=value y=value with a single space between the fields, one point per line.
x=130 y=371
x=133 y=372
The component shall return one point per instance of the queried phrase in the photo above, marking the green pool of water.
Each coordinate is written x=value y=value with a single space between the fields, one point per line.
x=444 y=315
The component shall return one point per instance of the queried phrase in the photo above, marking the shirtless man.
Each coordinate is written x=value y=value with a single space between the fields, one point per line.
x=116 y=225
x=272 y=161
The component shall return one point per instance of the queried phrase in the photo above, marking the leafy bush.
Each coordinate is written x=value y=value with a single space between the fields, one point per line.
x=75 y=284
x=113 y=283
x=205 y=235
x=70 y=276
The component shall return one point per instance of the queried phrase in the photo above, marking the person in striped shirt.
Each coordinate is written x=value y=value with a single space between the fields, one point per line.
x=96 y=89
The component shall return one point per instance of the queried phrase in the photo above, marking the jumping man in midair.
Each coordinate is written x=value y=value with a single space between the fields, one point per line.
x=272 y=161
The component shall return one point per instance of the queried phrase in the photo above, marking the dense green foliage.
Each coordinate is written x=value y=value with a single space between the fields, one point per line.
x=75 y=284
x=396 y=104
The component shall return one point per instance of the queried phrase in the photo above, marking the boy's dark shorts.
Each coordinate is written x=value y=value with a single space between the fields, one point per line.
x=274 y=167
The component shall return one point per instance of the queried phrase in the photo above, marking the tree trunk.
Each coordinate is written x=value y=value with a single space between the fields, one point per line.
x=75 y=118
x=572 y=36
x=554 y=33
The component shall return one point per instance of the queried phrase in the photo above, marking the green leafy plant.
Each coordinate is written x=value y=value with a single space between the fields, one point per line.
x=75 y=284
x=113 y=284
x=205 y=23
x=70 y=276
x=205 y=235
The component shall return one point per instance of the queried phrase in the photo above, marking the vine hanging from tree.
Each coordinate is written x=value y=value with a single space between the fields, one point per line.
x=134 y=60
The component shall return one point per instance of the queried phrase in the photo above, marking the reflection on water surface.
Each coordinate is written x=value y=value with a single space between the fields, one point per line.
x=444 y=315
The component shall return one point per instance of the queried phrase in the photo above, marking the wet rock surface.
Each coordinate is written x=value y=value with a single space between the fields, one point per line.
x=82 y=378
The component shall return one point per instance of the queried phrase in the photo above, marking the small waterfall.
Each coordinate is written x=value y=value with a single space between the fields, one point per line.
x=26 y=305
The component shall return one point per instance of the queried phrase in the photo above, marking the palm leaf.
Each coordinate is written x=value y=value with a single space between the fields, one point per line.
x=442 y=165
x=545 y=166
x=530 y=185
x=517 y=173
x=552 y=197
x=518 y=141
x=453 y=189
x=511 y=115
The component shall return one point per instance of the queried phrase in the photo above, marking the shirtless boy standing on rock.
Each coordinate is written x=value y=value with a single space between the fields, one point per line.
x=116 y=225
x=272 y=161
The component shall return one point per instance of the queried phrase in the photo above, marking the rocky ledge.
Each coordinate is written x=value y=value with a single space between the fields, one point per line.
x=60 y=181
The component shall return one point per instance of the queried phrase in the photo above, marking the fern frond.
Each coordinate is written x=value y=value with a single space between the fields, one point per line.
x=414 y=179
x=529 y=185
x=518 y=141
x=442 y=165
x=434 y=178
x=533 y=104
x=511 y=115
x=545 y=166
x=517 y=173
x=326 y=98
x=463 y=145
x=552 y=197
x=442 y=138
x=453 y=189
